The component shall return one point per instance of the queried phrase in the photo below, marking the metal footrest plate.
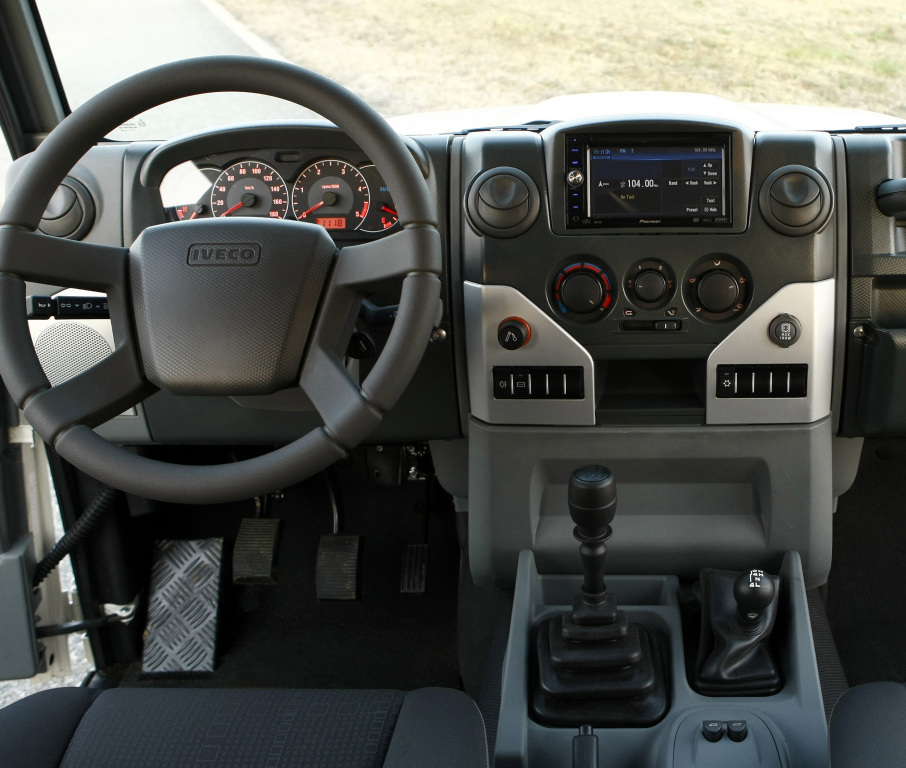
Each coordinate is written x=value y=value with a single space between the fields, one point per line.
x=181 y=633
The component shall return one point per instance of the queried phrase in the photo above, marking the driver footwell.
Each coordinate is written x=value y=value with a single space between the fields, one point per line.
x=282 y=635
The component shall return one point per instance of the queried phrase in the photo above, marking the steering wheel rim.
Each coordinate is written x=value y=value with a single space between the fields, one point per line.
x=64 y=415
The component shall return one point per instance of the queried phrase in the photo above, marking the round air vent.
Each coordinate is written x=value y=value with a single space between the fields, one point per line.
x=503 y=202
x=795 y=200
x=67 y=349
x=70 y=212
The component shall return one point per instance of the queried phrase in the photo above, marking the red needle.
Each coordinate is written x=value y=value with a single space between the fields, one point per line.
x=195 y=214
x=313 y=208
x=234 y=208
x=389 y=210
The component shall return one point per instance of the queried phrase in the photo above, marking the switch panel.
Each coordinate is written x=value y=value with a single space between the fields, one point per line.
x=538 y=383
x=762 y=381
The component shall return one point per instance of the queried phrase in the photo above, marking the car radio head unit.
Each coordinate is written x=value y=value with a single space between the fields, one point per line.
x=648 y=181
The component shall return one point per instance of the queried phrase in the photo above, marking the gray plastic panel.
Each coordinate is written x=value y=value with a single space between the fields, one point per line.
x=689 y=497
x=749 y=344
x=486 y=307
x=790 y=726
x=19 y=656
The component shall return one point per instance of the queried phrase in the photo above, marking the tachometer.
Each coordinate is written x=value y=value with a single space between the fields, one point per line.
x=332 y=193
x=249 y=188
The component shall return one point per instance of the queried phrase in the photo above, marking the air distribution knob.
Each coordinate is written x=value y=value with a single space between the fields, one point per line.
x=718 y=290
x=754 y=591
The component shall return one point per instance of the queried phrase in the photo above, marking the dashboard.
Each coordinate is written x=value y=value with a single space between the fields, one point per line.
x=710 y=309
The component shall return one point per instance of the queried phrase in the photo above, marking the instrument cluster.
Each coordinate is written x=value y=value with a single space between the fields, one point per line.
x=341 y=194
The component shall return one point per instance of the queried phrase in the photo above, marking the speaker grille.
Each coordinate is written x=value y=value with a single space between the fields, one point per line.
x=67 y=349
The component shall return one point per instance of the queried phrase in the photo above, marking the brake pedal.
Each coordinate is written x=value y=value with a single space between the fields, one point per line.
x=255 y=552
x=181 y=630
x=414 y=574
x=338 y=567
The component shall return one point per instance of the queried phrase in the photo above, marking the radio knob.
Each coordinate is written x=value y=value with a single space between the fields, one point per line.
x=650 y=286
x=718 y=291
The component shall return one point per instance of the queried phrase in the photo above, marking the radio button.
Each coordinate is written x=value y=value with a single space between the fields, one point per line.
x=575 y=178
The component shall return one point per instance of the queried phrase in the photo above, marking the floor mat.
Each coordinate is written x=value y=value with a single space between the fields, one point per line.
x=865 y=595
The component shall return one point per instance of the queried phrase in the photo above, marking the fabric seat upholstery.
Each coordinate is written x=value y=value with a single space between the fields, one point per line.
x=180 y=727
x=868 y=727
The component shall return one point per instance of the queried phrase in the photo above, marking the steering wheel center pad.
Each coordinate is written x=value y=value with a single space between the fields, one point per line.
x=225 y=306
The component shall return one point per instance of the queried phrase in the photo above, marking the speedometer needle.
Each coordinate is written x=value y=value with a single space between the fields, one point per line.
x=248 y=200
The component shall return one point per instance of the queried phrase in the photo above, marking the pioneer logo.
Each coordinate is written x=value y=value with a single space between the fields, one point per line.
x=649 y=221
x=224 y=254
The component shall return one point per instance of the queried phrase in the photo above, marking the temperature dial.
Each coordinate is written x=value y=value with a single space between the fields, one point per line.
x=582 y=291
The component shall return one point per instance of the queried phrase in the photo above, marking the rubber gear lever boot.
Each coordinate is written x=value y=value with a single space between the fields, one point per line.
x=735 y=655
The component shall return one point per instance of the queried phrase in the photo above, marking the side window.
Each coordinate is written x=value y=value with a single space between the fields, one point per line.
x=5 y=160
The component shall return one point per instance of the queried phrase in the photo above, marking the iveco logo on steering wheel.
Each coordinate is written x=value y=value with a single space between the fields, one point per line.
x=224 y=254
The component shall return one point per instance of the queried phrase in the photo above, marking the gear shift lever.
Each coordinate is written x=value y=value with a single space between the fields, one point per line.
x=592 y=500
x=595 y=666
x=753 y=592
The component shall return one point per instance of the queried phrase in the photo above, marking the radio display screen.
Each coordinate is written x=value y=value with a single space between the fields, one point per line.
x=672 y=181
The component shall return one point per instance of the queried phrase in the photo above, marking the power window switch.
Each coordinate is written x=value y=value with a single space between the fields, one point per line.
x=737 y=730
x=713 y=730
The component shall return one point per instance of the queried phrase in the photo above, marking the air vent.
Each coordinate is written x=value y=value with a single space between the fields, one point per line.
x=70 y=212
x=795 y=200
x=503 y=202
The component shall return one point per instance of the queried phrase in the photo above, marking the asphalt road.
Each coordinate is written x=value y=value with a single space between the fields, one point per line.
x=97 y=43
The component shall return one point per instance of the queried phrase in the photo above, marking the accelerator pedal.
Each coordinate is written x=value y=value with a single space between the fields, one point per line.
x=338 y=567
x=181 y=631
x=414 y=574
x=256 y=551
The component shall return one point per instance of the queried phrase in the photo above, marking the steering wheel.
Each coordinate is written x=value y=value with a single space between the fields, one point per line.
x=218 y=306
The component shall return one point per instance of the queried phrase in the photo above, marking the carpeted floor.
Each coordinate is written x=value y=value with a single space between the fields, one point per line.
x=865 y=605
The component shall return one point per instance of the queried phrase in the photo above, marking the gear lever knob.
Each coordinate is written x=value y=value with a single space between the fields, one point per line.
x=754 y=591
x=592 y=499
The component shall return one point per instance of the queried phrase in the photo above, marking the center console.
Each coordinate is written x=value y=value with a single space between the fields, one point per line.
x=658 y=296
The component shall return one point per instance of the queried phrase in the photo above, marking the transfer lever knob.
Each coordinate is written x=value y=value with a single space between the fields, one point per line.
x=592 y=499
x=754 y=591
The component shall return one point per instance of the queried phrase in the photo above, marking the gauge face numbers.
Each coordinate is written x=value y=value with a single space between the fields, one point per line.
x=249 y=188
x=331 y=193
x=382 y=215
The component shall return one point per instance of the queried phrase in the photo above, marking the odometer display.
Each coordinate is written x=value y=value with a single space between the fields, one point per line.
x=249 y=188
x=332 y=193
x=337 y=222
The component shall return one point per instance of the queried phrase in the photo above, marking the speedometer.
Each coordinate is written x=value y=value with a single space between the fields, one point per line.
x=332 y=193
x=249 y=188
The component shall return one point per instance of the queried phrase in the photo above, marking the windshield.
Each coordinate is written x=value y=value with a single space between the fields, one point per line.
x=415 y=57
